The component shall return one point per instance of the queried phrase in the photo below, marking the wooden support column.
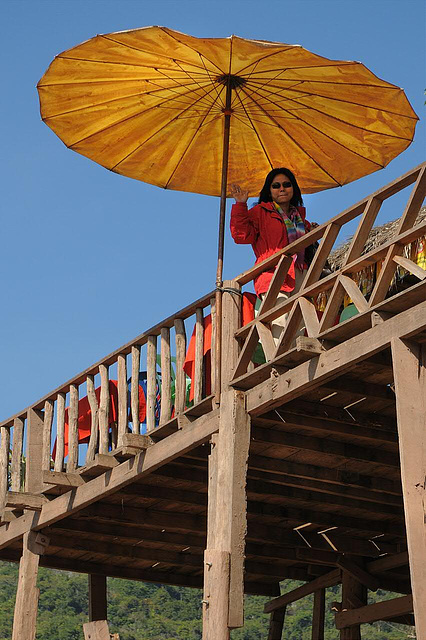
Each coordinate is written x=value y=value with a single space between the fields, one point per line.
x=227 y=519
x=354 y=596
x=97 y=597
x=276 y=624
x=25 y=617
x=409 y=367
x=318 y=615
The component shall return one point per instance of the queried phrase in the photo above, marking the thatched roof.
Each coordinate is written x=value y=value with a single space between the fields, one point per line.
x=378 y=235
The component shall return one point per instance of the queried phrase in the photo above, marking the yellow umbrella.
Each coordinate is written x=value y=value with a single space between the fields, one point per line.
x=194 y=114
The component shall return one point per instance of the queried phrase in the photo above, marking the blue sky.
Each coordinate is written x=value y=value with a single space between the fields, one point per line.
x=90 y=259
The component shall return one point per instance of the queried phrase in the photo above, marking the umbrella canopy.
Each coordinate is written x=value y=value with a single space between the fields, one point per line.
x=159 y=106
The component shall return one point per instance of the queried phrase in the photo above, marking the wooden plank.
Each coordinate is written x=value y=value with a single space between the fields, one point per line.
x=213 y=349
x=180 y=339
x=25 y=616
x=277 y=280
x=151 y=382
x=166 y=378
x=122 y=396
x=414 y=202
x=332 y=363
x=47 y=430
x=98 y=609
x=366 y=224
x=33 y=467
x=373 y=612
x=73 y=429
x=323 y=582
x=231 y=319
x=60 y=431
x=16 y=461
x=409 y=365
x=63 y=479
x=215 y=600
x=4 y=466
x=288 y=335
x=198 y=365
x=127 y=472
x=318 y=615
x=212 y=492
x=354 y=293
x=410 y=266
x=321 y=255
x=24 y=500
x=94 y=419
x=310 y=317
x=134 y=388
x=247 y=351
x=97 y=630
x=103 y=410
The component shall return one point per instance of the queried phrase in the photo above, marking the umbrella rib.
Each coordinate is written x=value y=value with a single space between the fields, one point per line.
x=337 y=141
x=192 y=49
x=189 y=144
x=104 y=81
x=120 y=64
x=98 y=104
x=295 y=141
x=304 y=107
x=191 y=78
x=150 y=138
x=161 y=55
x=269 y=55
x=211 y=80
x=359 y=104
x=270 y=80
x=338 y=63
x=194 y=82
x=135 y=115
x=255 y=130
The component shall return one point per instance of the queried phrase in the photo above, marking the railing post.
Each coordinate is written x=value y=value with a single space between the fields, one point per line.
x=227 y=522
x=34 y=455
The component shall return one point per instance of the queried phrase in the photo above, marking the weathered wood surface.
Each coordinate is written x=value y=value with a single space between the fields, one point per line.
x=134 y=387
x=47 y=430
x=26 y=604
x=33 y=467
x=198 y=364
x=180 y=389
x=276 y=624
x=377 y=611
x=73 y=429
x=339 y=359
x=122 y=396
x=98 y=608
x=146 y=462
x=409 y=364
x=318 y=615
x=4 y=466
x=98 y=630
x=16 y=461
x=151 y=382
x=94 y=419
x=166 y=377
x=60 y=431
x=103 y=409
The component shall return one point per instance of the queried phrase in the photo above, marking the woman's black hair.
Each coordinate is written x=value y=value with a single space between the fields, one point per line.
x=265 y=194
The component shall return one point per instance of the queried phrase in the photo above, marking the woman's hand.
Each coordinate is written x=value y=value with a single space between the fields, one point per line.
x=239 y=194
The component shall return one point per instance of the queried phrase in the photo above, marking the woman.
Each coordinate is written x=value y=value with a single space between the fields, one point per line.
x=276 y=221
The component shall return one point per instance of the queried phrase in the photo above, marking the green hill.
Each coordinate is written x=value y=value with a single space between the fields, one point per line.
x=143 y=611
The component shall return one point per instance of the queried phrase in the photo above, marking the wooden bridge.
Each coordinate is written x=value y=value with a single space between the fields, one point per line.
x=310 y=466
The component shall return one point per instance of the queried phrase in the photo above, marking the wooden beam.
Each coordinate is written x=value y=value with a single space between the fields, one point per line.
x=97 y=630
x=98 y=608
x=357 y=572
x=373 y=612
x=343 y=450
x=30 y=501
x=409 y=364
x=323 y=582
x=332 y=363
x=127 y=472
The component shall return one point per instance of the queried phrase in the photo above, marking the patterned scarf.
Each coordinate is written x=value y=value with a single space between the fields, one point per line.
x=295 y=228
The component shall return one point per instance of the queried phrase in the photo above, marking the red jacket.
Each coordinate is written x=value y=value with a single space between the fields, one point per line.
x=264 y=229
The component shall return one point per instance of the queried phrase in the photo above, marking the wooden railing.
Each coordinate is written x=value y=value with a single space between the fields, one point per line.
x=302 y=307
x=108 y=400
x=107 y=394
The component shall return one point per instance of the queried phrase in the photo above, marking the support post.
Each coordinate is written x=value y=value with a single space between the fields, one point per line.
x=34 y=466
x=227 y=511
x=25 y=616
x=409 y=368
x=97 y=598
x=318 y=615
x=354 y=595
x=276 y=624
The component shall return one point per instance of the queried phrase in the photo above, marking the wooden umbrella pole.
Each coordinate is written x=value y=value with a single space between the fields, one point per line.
x=219 y=272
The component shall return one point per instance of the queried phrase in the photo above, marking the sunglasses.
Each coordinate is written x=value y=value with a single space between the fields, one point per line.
x=277 y=185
